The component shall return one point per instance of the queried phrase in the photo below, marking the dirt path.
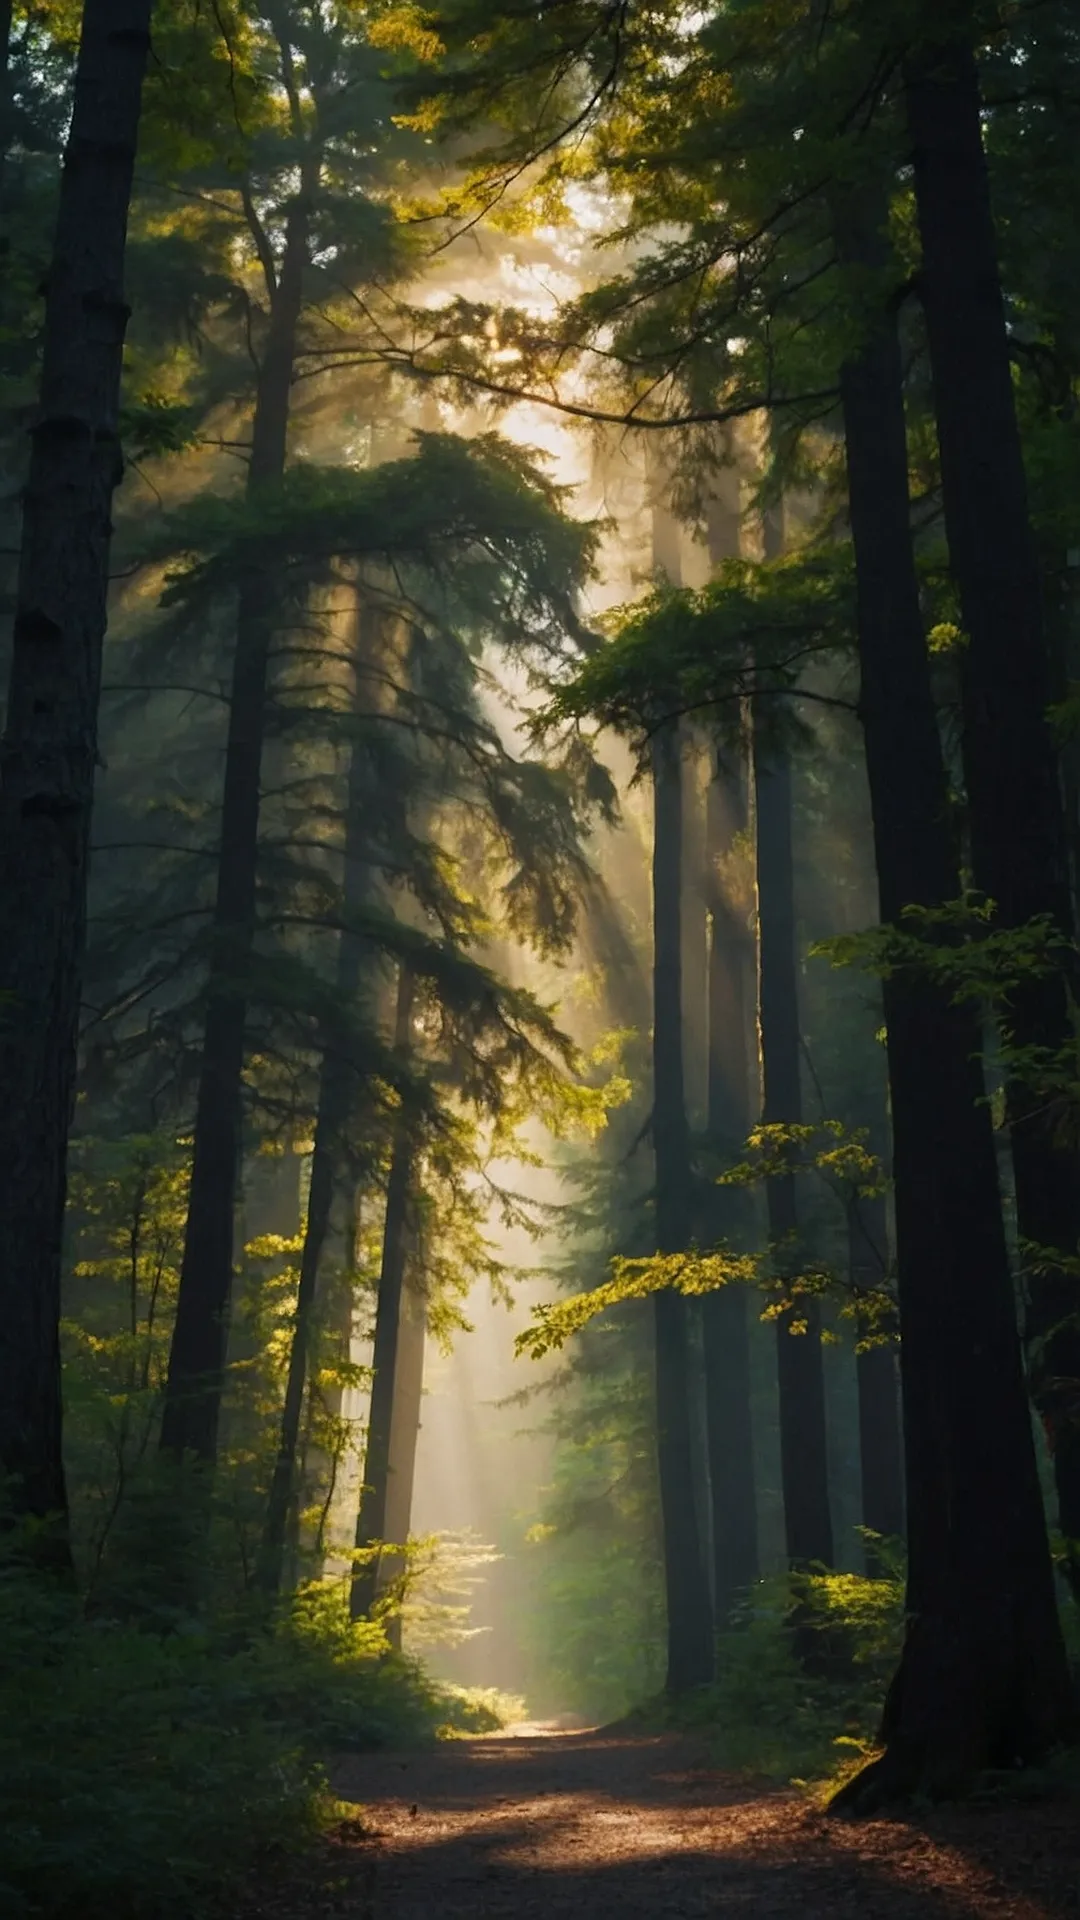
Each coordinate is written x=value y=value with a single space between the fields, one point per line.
x=609 y=1827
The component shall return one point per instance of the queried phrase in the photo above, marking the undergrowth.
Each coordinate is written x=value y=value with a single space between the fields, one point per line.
x=143 y=1774
x=800 y=1678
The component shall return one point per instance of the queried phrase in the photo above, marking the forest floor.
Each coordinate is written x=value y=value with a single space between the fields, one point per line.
x=616 y=1826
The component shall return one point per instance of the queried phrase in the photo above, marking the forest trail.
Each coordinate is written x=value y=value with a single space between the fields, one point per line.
x=612 y=1826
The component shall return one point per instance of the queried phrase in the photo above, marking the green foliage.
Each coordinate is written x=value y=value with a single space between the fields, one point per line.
x=593 y=1624
x=477 y=517
x=128 y=1201
x=596 y=1636
x=331 y=1678
x=689 y=1273
x=143 y=1776
x=152 y=424
x=753 y=630
x=827 y=1146
x=478 y=1710
x=838 y=1155
x=959 y=946
x=784 y=1281
x=769 y=1715
x=158 y=1765
x=594 y=1627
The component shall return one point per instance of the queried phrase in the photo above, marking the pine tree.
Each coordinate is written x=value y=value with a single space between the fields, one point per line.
x=725 y=1312
x=1019 y=844
x=731 y=1023
x=975 y=1522
x=50 y=743
x=776 y=332
x=689 y=1612
x=804 y=1460
x=371 y=1527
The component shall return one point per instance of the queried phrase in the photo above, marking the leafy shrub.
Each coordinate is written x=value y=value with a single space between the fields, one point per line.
x=336 y=1682
x=801 y=1678
x=143 y=1774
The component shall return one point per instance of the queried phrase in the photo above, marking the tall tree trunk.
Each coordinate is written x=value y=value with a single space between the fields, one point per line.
x=49 y=749
x=282 y=1496
x=725 y=1313
x=334 y=1106
x=5 y=89
x=881 y=1447
x=404 y=1430
x=690 y=1639
x=197 y=1356
x=803 y=1438
x=374 y=1493
x=1019 y=842
x=982 y=1678
x=689 y=1614
x=695 y=948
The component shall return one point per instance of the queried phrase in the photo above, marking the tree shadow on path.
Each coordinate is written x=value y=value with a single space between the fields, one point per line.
x=599 y=1826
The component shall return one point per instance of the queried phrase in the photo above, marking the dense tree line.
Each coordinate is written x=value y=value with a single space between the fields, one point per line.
x=321 y=637
x=807 y=195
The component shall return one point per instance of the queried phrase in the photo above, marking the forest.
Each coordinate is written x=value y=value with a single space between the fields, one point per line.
x=539 y=969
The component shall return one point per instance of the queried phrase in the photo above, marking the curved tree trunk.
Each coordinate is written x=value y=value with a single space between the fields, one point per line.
x=982 y=1678
x=1019 y=841
x=49 y=750
x=197 y=1355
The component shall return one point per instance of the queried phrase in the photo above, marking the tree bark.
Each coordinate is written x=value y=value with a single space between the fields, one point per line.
x=404 y=1432
x=372 y=1516
x=49 y=750
x=334 y=1106
x=803 y=1438
x=689 y=1614
x=690 y=1642
x=695 y=951
x=881 y=1454
x=197 y=1355
x=725 y=1313
x=730 y=1104
x=282 y=1496
x=6 y=91
x=982 y=1678
x=1019 y=839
